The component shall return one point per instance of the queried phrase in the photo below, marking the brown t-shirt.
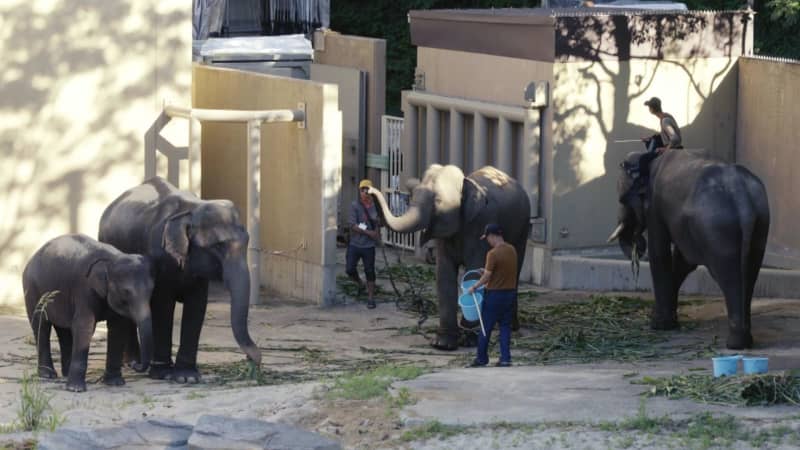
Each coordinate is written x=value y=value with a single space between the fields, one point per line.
x=502 y=262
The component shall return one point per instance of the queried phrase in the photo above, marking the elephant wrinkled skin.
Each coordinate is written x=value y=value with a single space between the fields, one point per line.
x=190 y=242
x=453 y=210
x=88 y=282
x=696 y=211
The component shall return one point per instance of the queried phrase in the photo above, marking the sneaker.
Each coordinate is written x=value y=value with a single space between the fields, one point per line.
x=503 y=364
x=476 y=363
x=371 y=304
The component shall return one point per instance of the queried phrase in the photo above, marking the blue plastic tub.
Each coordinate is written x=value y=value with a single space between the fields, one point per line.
x=465 y=283
x=752 y=365
x=467 y=304
x=725 y=365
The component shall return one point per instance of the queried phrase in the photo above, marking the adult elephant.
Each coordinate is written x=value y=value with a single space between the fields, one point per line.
x=453 y=210
x=190 y=241
x=696 y=211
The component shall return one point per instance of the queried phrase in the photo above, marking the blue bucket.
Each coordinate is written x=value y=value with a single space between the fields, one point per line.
x=467 y=304
x=725 y=365
x=753 y=365
x=466 y=284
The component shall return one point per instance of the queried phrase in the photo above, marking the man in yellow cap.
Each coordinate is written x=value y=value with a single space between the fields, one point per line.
x=364 y=234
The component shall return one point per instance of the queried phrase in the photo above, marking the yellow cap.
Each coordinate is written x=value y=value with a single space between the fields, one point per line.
x=364 y=183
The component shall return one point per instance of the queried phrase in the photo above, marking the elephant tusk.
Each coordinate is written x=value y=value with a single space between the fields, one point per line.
x=615 y=233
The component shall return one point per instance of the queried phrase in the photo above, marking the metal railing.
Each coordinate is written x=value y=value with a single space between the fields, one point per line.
x=254 y=120
x=391 y=131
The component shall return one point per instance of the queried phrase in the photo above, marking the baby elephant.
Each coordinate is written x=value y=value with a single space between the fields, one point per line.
x=72 y=283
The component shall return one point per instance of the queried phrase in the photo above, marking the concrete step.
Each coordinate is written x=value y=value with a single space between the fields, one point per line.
x=598 y=274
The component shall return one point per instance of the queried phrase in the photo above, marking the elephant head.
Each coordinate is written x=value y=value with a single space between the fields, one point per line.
x=631 y=222
x=435 y=204
x=126 y=282
x=210 y=241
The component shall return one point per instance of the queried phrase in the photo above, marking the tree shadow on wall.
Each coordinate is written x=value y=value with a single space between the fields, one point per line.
x=77 y=73
x=600 y=49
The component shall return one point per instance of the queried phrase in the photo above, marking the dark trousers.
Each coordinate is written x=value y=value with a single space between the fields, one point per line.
x=365 y=254
x=497 y=308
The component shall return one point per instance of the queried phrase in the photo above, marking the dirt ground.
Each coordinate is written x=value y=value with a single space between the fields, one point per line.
x=305 y=347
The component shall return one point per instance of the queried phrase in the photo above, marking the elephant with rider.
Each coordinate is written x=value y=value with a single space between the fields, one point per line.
x=691 y=211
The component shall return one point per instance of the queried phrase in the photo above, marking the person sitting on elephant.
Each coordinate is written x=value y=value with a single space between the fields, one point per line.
x=365 y=233
x=500 y=278
x=73 y=282
x=668 y=138
x=670 y=135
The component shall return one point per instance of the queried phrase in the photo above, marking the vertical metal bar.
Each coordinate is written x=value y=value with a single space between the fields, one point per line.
x=254 y=207
x=504 y=151
x=479 y=146
x=456 y=138
x=432 y=139
x=195 y=156
x=411 y=131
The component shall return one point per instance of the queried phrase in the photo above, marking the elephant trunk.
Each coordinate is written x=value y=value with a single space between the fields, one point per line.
x=145 y=326
x=414 y=219
x=237 y=281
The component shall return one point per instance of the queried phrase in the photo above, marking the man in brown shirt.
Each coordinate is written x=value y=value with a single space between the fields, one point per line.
x=500 y=278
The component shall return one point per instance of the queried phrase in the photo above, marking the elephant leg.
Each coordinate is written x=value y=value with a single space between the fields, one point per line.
x=731 y=279
x=65 y=346
x=162 y=309
x=447 y=292
x=665 y=311
x=41 y=334
x=195 y=301
x=82 y=332
x=681 y=270
x=131 y=352
x=118 y=332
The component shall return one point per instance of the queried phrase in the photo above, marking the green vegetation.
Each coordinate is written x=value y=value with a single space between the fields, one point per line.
x=432 y=430
x=371 y=383
x=603 y=328
x=34 y=412
x=762 y=390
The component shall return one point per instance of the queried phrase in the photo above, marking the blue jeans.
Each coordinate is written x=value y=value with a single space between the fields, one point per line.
x=497 y=307
x=365 y=254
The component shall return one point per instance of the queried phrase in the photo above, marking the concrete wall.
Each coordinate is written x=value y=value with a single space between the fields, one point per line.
x=368 y=55
x=81 y=84
x=479 y=76
x=767 y=143
x=300 y=173
x=597 y=102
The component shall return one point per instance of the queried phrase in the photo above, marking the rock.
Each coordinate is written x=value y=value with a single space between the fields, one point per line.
x=140 y=434
x=218 y=432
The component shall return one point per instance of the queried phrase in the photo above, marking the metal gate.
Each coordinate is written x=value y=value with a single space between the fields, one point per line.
x=391 y=131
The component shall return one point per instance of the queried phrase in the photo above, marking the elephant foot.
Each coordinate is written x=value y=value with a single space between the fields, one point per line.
x=739 y=340
x=160 y=371
x=76 y=385
x=445 y=342
x=664 y=324
x=47 y=372
x=113 y=379
x=185 y=375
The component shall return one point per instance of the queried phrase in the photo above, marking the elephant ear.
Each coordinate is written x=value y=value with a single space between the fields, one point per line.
x=97 y=273
x=175 y=238
x=474 y=199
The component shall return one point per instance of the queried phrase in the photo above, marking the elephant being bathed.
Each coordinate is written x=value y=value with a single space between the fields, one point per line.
x=454 y=210
x=190 y=242
x=695 y=211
